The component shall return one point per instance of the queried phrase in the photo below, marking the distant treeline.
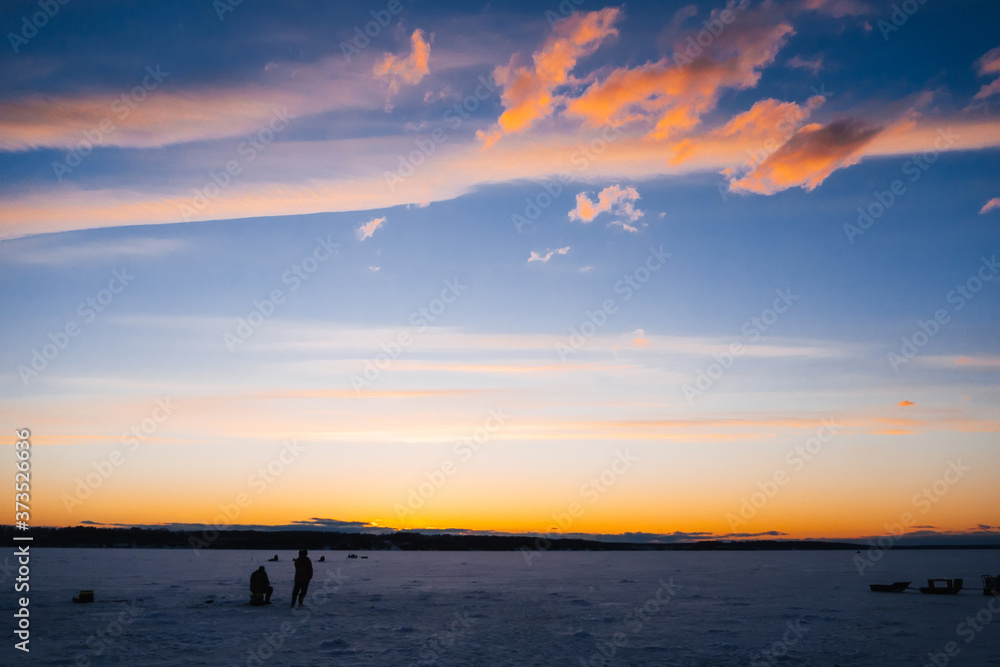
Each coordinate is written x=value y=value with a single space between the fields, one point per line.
x=97 y=537
x=278 y=540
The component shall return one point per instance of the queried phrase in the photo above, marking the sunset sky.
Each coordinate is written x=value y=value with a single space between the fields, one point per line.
x=660 y=269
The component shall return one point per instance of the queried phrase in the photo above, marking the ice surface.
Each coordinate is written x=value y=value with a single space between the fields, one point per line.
x=176 y=607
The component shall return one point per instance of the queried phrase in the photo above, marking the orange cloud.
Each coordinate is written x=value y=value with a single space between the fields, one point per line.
x=905 y=403
x=673 y=97
x=366 y=230
x=529 y=91
x=410 y=69
x=759 y=131
x=812 y=154
x=987 y=65
x=614 y=198
x=639 y=339
x=991 y=205
x=979 y=362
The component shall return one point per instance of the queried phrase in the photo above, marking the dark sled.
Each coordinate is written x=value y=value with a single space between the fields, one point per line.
x=950 y=587
x=895 y=587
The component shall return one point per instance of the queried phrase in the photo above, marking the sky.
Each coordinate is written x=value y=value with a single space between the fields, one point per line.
x=654 y=271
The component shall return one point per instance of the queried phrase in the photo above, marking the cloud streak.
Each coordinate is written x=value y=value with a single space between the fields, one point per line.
x=408 y=70
x=366 y=230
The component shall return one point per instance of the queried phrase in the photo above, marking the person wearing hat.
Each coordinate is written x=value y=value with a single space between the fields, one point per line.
x=303 y=574
x=261 y=585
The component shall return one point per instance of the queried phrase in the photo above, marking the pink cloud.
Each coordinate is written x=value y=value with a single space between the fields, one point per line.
x=537 y=257
x=409 y=70
x=614 y=199
x=366 y=230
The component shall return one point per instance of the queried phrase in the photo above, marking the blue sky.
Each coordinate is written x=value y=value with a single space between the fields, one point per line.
x=748 y=168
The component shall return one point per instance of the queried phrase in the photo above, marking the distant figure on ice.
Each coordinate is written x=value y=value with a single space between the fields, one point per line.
x=303 y=573
x=273 y=560
x=322 y=559
x=260 y=585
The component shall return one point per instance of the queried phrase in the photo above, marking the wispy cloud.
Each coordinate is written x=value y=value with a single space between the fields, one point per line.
x=366 y=230
x=991 y=205
x=44 y=252
x=409 y=69
x=536 y=257
x=838 y=8
x=989 y=65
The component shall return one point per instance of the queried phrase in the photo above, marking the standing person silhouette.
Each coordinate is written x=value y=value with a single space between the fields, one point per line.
x=303 y=573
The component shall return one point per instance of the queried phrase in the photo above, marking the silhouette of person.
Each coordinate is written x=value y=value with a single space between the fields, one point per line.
x=303 y=573
x=259 y=583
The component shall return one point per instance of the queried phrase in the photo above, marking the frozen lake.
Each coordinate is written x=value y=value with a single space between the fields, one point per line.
x=476 y=608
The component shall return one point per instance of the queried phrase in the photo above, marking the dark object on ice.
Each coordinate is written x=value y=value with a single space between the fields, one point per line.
x=951 y=587
x=303 y=574
x=991 y=585
x=260 y=587
x=352 y=555
x=895 y=587
x=364 y=556
x=273 y=560
x=84 y=596
x=322 y=559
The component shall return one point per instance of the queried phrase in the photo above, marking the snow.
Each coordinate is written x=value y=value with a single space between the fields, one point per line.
x=171 y=607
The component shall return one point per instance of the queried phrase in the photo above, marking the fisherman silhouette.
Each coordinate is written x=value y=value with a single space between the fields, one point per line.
x=303 y=573
x=261 y=585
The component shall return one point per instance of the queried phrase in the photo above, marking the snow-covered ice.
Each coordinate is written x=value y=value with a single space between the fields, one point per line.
x=176 y=607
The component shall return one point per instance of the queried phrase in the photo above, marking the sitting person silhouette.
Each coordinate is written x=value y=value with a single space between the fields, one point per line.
x=261 y=585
